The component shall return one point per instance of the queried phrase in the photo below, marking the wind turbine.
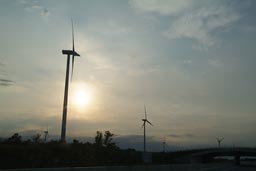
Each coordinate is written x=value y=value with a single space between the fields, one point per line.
x=164 y=143
x=69 y=53
x=46 y=133
x=219 y=140
x=145 y=120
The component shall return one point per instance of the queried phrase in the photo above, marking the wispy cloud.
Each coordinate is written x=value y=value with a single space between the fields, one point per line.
x=163 y=7
x=195 y=20
x=35 y=6
x=187 y=135
x=1 y=64
x=5 y=82
x=202 y=25
x=110 y=28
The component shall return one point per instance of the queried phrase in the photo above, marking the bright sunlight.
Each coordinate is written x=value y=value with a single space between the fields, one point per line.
x=81 y=95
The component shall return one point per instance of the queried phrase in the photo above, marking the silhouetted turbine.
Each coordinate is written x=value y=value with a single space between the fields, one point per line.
x=219 y=140
x=46 y=133
x=164 y=143
x=145 y=120
x=65 y=104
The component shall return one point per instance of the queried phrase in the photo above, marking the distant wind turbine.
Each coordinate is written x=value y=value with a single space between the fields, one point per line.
x=145 y=120
x=46 y=133
x=219 y=140
x=164 y=143
x=69 y=53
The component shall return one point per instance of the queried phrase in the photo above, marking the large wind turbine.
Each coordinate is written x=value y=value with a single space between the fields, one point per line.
x=145 y=120
x=69 y=53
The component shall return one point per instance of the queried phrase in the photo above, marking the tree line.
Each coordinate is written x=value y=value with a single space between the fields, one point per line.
x=35 y=153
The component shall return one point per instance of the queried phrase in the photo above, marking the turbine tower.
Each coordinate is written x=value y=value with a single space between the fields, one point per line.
x=69 y=53
x=145 y=120
x=46 y=133
x=164 y=143
x=219 y=140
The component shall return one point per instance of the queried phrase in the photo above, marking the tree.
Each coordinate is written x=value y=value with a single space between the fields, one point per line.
x=108 y=137
x=36 y=138
x=75 y=141
x=98 y=139
x=15 y=138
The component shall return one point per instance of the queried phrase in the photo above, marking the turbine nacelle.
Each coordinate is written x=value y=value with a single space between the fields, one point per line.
x=219 y=140
x=70 y=52
x=145 y=119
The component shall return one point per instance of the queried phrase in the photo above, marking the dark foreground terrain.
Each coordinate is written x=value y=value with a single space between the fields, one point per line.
x=103 y=154
x=172 y=167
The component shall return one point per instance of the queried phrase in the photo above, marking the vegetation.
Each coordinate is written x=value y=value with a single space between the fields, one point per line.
x=36 y=153
x=15 y=153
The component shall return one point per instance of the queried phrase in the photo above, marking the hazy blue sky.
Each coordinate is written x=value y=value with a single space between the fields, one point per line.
x=192 y=63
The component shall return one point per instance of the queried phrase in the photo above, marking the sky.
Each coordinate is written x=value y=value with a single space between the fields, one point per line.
x=191 y=63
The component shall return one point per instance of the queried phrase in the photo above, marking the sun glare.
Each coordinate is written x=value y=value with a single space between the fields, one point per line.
x=82 y=96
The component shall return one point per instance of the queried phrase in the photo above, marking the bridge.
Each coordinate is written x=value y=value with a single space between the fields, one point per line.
x=206 y=155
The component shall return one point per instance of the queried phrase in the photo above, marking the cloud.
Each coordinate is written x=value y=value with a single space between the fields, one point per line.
x=163 y=7
x=196 y=20
x=187 y=135
x=34 y=6
x=5 y=82
x=214 y=62
x=1 y=64
x=45 y=12
x=2 y=70
x=201 y=25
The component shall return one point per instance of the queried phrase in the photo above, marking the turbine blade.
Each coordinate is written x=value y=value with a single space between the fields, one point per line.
x=149 y=123
x=143 y=125
x=73 y=48
x=73 y=61
x=73 y=41
x=145 y=112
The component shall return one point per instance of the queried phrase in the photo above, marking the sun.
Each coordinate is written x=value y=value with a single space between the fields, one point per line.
x=81 y=96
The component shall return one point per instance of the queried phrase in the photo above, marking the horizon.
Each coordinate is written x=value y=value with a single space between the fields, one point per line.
x=125 y=142
x=191 y=63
